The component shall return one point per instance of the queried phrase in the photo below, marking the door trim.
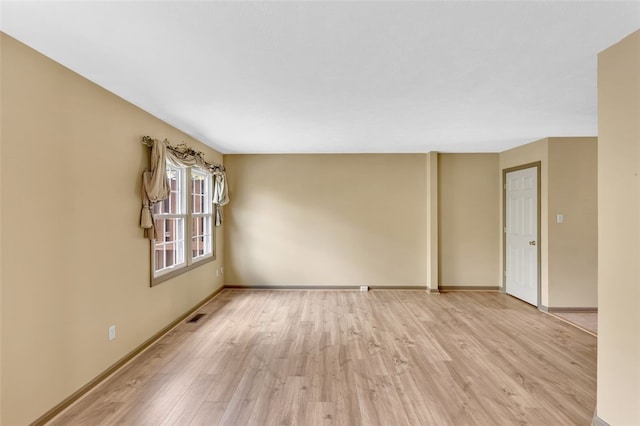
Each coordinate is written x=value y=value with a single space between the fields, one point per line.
x=538 y=166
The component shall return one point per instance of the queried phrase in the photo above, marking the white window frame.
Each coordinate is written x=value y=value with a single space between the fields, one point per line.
x=206 y=214
x=184 y=215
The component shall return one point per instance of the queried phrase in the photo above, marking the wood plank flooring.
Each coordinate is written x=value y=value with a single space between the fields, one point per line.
x=586 y=320
x=387 y=357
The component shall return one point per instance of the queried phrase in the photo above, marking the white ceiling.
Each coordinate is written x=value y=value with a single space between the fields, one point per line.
x=274 y=77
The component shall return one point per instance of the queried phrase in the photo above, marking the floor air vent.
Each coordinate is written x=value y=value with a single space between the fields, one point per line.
x=195 y=318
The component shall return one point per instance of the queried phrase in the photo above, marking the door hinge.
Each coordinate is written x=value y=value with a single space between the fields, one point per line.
x=505 y=230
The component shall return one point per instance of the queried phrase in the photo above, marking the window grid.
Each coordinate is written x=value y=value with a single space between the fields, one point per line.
x=183 y=216
x=201 y=216
x=170 y=218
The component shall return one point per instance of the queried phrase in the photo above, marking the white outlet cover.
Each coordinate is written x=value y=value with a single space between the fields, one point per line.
x=112 y=332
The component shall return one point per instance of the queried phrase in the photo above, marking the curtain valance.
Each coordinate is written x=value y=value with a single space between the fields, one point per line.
x=155 y=182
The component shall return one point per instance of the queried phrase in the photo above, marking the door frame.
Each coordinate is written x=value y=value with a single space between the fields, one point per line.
x=538 y=166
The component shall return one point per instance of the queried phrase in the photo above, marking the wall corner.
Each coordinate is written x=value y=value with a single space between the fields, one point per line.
x=432 y=222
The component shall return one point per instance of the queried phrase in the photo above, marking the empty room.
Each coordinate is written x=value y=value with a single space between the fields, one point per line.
x=319 y=212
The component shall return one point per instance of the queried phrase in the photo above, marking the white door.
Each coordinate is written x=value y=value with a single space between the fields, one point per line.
x=521 y=268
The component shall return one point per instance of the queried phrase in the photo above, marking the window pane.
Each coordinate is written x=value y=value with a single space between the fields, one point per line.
x=173 y=204
x=196 y=232
x=179 y=229
x=206 y=196
x=200 y=200
x=161 y=207
x=170 y=258
x=170 y=230
x=207 y=244
x=169 y=246
x=176 y=204
x=197 y=226
x=180 y=252
x=197 y=183
x=206 y=226
x=196 y=203
x=196 y=248
x=159 y=257
x=201 y=236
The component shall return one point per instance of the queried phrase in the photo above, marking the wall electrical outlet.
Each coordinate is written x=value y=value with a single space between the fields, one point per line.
x=364 y=288
x=112 y=332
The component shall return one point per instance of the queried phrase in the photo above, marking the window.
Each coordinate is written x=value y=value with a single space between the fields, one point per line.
x=200 y=215
x=183 y=224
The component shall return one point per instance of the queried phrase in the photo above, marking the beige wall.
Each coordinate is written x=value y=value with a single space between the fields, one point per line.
x=469 y=214
x=525 y=154
x=318 y=220
x=619 y=232
x=74 y=260
x=573 y=244
x=569 y=251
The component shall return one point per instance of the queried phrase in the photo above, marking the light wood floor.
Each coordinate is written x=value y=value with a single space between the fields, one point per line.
x=355 y=358
x=585 y=320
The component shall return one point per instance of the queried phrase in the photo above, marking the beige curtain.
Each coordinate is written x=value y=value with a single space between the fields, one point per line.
x=187 y=159
x=155 y=185
x=220 y=195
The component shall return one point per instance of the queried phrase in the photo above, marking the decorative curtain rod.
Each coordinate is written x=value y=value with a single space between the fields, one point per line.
x=183 y=151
